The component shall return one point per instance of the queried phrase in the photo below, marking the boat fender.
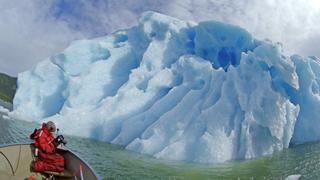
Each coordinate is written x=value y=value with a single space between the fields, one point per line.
x=31 y=178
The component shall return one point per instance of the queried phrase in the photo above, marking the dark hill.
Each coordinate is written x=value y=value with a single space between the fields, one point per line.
x=8 y=86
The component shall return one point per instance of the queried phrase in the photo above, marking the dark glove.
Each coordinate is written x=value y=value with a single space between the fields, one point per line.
x=60 y=140
x=32 y=136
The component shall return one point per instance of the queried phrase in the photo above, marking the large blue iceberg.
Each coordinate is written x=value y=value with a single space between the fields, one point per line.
x=206 y=92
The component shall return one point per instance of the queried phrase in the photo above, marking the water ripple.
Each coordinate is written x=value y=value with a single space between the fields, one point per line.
x=114 y=162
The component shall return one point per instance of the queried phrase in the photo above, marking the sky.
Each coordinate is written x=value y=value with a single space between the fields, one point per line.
x=32 y=30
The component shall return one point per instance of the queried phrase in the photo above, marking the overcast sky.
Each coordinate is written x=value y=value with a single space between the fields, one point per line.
x=31 y=30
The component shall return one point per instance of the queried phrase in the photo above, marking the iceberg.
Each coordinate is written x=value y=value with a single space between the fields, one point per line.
x=4 y=110
x=203 y=92
x=293 y=177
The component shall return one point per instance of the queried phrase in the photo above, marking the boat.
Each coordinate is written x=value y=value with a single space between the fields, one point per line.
x=16 y=159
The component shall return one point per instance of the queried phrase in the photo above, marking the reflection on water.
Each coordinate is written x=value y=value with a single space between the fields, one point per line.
x=113 y=162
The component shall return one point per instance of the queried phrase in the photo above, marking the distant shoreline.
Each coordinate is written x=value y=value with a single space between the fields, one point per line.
x=6 y=104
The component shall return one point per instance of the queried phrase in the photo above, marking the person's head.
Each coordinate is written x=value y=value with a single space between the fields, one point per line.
x=51 y=126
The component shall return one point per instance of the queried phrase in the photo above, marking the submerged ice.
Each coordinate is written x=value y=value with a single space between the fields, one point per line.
x=206 y=92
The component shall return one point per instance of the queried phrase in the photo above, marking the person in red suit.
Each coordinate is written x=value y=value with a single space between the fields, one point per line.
x=45 y=149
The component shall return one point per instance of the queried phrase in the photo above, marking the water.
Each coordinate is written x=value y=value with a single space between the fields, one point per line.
x=114 y=162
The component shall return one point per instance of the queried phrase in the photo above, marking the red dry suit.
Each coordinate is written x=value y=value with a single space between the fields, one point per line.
x=48 y=159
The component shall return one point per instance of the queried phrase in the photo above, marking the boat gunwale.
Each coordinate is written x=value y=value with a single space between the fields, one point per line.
x=68 y=149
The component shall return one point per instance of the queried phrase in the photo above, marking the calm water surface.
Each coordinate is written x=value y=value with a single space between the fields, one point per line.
x=114 y=162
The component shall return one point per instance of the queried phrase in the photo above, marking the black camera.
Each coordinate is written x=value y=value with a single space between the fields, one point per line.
x=60 y=140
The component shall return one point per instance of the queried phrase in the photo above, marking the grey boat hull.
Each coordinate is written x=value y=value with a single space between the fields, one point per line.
x=16 y=159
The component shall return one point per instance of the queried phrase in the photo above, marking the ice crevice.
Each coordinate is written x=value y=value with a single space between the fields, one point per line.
x=203 y=92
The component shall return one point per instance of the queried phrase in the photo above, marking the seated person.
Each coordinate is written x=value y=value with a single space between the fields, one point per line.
x=45 y=149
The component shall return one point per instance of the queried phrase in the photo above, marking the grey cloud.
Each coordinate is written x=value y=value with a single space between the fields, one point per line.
x=27 y=35
x=29 y=32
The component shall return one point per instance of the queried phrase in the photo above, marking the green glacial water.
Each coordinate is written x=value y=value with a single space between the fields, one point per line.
x=114 y=162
